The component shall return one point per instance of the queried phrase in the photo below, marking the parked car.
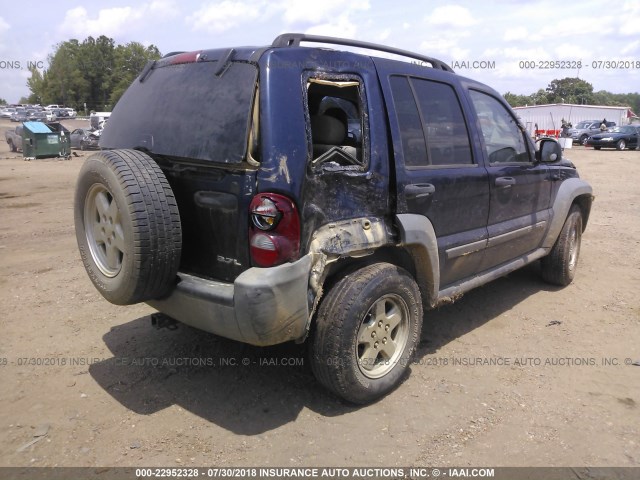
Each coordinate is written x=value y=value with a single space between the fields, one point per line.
x=14 y=138
x=60 y=112
x=97 y=120
x=7 y=112
x=619 y=138
x=260 y=217
x=586 y=128
x=84 y=139
x=37 y=116
x=71 y=113
x=20 y=115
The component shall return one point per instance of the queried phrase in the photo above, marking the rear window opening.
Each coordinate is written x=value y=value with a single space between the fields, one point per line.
x=336 y=122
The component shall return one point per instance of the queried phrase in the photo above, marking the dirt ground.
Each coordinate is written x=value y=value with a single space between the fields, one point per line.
x=516 y=373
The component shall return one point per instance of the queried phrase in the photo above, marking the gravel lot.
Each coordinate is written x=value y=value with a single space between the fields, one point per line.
x=516 y=373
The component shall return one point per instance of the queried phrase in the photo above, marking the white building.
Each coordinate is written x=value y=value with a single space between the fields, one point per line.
x=549 y=117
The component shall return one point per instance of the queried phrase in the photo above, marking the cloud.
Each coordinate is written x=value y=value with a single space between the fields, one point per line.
x=116 y=21
x=578 y=27
x=631 y=48
x=219 y=17
x=341 y=27
x=451 y=16
x=446 y=49
x=630 y=24
x=516 y=33
x=4 y=26
x=322 y=12
x=110 y=21
x=572 y=51
x=164 y=8
x=328 y=17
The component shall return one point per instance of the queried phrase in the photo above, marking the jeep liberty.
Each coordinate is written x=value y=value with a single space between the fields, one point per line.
x=298 y=193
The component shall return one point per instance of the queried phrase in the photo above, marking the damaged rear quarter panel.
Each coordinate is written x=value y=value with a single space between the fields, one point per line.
x=322 y=195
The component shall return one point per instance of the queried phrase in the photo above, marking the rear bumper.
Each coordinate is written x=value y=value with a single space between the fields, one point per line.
x=264 y=306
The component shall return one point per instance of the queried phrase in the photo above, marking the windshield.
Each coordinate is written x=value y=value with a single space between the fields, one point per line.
x=583 y=124
x=187 y=110
x=622 y=130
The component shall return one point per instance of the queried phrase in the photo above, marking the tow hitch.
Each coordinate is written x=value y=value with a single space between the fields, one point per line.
x=160 y=320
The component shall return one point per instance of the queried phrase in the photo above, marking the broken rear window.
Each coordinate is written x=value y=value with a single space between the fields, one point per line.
x=336 y=121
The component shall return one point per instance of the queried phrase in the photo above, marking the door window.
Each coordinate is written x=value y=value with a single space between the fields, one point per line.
x=433 y=130
x=503 y=139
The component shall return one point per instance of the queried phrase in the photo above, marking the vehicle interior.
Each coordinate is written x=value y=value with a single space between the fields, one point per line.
x=335 y=115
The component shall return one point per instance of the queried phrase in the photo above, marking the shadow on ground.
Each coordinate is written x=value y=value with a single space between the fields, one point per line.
x=249 y=390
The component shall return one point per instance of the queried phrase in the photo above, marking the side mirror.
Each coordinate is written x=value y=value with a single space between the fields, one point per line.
x=549 y=150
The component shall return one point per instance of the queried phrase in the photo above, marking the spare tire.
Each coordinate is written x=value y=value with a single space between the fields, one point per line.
x=127 y=226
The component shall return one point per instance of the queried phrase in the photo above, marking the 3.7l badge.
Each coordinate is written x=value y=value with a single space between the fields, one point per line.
x=228 y=261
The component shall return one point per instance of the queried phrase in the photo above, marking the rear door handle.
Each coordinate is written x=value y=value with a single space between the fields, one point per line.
x=505 y=181
x=419 y=190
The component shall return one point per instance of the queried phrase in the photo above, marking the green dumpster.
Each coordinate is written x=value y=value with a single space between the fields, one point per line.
x=40 y=141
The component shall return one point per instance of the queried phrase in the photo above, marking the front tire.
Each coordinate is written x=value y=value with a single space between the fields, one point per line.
x=621 y=145
x=559 y=266
x=127 y=226
x=367 y=329
x=583 y=140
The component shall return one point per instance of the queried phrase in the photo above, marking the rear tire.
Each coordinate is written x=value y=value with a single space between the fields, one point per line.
x=127 y=226
x=621 y=145
x=559 y=266
x=367 y=329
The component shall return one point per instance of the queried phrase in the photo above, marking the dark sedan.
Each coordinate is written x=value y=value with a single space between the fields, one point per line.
x=84 y=139
x=20 y=115
x=37 y=116
x=618 y=137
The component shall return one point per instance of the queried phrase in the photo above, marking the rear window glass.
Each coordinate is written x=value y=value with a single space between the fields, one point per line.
x=187 y=111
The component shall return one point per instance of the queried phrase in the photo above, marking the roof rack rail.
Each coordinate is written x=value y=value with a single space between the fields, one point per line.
x=294 y=39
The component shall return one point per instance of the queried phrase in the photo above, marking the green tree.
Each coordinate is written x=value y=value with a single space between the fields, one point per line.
x=96 y=62
x=570 y=90
x=65 y=83
x=575 y=91
x=3 y=101
x=94 y=72
x=36 y=84
x=130 y=59
x=517 y=100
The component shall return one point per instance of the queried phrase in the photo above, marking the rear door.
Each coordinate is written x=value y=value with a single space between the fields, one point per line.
x=520 y=187
x=437 y=172
x=193 y=117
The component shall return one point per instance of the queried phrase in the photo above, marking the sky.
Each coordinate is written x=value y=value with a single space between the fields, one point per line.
x=512 y=45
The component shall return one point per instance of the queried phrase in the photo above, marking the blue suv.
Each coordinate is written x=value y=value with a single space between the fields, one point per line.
x=294 y=193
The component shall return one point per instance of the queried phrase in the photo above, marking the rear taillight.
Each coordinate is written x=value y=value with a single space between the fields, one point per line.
x=274 y=233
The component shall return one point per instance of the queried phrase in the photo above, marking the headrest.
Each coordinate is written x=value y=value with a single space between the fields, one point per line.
x=327 y=130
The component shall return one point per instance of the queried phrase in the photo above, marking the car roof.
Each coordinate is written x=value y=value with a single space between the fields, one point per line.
x=289 y=42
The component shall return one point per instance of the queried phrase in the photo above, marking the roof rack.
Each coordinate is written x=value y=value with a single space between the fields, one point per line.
x=294 y=39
